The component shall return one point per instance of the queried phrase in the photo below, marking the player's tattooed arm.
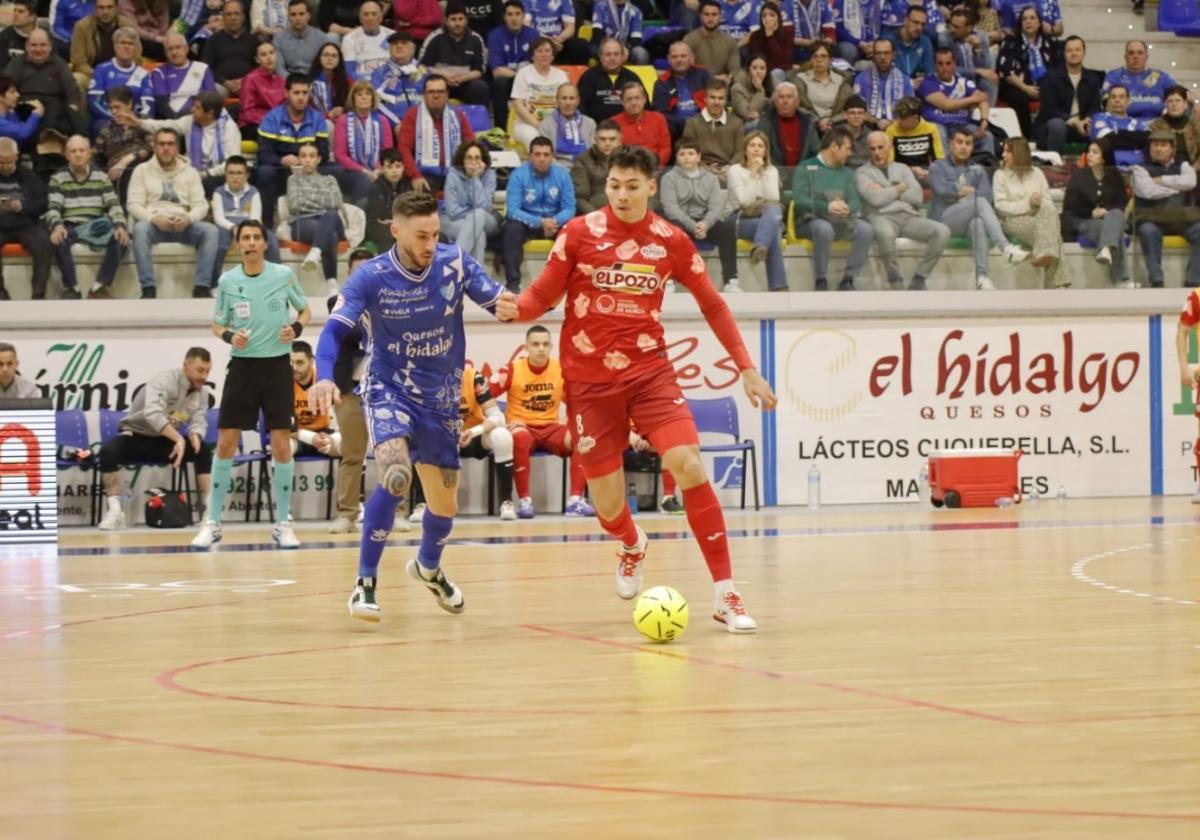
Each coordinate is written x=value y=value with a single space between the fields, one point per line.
x=395 y=467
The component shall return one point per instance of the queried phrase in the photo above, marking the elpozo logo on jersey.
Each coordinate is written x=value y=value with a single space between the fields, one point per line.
x=633 y=278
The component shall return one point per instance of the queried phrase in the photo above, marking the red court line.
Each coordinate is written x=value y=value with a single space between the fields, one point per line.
x=169 y=680
x=62 y=729
x=778 y=675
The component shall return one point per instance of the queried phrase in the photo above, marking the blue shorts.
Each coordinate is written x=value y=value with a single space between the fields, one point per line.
x=432 y=436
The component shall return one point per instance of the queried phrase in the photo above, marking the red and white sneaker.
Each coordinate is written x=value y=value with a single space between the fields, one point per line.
x=629 y=567
x=732 y=613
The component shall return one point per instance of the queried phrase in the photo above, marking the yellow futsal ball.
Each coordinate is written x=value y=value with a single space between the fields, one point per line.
x=661 y=614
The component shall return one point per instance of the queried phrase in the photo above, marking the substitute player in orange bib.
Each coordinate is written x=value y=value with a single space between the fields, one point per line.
x=1188 y=319
x=533 y=386
x=612 y=265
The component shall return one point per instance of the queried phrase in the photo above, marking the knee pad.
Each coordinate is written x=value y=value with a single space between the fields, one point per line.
x=396 y=479
x=500 y=441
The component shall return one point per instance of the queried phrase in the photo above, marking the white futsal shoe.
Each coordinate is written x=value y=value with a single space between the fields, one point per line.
x=449 y=596
x=507 y=511
x=732 y=613
x=285 y=534
x=209 y=534
x=114 y=520
x=362 y=603
x=418 y=513
x=629 y=567
x=341 y=525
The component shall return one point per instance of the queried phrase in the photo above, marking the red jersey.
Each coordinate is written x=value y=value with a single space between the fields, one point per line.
x=1190 y=316
x=613 y=275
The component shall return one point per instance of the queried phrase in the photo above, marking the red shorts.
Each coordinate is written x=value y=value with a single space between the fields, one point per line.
x=551 y=437
x=600 y=413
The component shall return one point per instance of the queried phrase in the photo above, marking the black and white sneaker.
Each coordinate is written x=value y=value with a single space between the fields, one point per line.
x=670 y=504
x=449 y=596
x=362 y=603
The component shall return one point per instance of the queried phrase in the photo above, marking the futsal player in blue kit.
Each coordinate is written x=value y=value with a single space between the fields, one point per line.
x=411 y=302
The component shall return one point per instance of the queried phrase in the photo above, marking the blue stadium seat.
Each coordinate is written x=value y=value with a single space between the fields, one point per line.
x=477 y=116
x=1179 y=16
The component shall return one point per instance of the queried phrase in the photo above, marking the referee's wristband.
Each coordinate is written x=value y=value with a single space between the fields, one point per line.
x=297 y=328
x=227 y=336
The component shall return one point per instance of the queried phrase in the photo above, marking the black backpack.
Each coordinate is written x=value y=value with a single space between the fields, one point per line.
x=164 y=510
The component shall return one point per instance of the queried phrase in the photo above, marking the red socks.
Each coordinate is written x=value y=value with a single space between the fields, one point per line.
x=668 y=483
x=707 y=520
x=578 y=480
x=622 y=527
x=1196 y=452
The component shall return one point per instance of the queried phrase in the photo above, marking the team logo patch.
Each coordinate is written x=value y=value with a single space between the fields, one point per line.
x=597 y=224
x=559 y=250
x=646 y=343
x=616 y=360
x=605 y=304
x=582 y=343
x=661 y=228
x=653 y=251
x=585 y=444
x=447 y=291
x=697 y=264
x=631 y=278
x=581 y=306
x=627 y=250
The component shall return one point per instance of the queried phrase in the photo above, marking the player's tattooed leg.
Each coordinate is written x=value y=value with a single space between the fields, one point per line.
x=394 y=466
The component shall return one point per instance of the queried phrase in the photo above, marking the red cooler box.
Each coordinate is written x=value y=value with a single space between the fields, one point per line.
x=973 y=477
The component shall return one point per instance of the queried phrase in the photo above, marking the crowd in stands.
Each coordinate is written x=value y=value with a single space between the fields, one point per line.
x=135 y=122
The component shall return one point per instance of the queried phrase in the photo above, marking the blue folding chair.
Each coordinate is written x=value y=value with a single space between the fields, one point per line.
x=477 y=117
x=181 y=479
x=720 y=416
x=70 y=429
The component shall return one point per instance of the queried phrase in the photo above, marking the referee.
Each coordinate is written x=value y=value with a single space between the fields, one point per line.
x=253 y=314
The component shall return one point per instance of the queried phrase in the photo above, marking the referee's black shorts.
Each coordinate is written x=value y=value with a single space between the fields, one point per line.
x=254 y=385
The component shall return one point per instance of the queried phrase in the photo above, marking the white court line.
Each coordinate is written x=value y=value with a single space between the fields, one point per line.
x=1078 y=567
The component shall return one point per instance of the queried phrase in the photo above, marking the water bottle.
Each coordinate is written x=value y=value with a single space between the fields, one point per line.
x=1004 y=502
x=923 y=480
x=1062 y=493
x=631 y=497
x=814 y=487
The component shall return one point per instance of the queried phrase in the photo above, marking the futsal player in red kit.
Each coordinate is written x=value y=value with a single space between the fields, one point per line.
x=613 y=265
x=1188 y=319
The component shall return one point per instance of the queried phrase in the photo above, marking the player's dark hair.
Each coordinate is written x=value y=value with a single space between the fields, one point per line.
x=120 y=93
x=197 y=353
x=415 y=203
x=302 y=347
x=358 y=255
x=236 y=160
x=836 y=137
x=249 y=223
x=634 y=157
x=536 y=328
x=296 y=78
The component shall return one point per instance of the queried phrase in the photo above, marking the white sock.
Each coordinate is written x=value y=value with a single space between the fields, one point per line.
x=114 y=502
x=720 y=587
x=572 y=500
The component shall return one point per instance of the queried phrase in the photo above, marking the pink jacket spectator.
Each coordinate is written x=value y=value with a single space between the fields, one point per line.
x=341 y=145
x=261 y=91
x=422 y=17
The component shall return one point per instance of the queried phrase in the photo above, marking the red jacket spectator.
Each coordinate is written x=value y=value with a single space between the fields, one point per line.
x=649 y=131
x=406 y=139
x=261 y=91
x=421 y=16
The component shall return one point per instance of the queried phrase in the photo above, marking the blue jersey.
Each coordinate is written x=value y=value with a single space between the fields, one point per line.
x=414 y=323
x=1147 y=90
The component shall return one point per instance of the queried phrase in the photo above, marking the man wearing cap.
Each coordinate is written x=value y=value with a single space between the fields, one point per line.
x=457 y=53
x=1162 y=207
x=400 y=81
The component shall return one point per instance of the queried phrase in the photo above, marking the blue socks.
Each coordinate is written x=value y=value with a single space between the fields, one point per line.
x=281 y=475
x=435 y=529
x=379 y=514
x=221 y=468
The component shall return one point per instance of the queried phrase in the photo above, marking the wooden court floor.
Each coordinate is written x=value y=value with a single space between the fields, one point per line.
x=1025 y=673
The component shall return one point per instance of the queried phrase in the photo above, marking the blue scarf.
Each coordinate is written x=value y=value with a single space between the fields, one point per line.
x=568 y=140
x=884 y=93
x=196 y=142
x=364 y=138
x=322 y=95
x=811 y=17
x=860 y=27
x=1037 y=67
x=429 y=151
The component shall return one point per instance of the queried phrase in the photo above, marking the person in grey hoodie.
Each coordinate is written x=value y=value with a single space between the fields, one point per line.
x=892 y=201
x=691 y=199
